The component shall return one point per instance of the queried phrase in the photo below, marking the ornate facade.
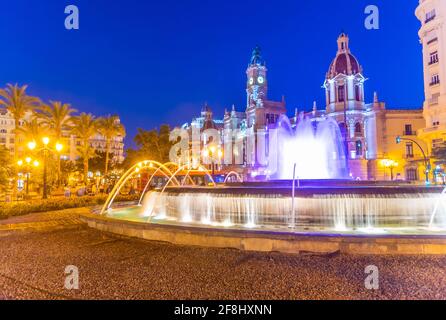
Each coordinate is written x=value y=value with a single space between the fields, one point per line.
x=380 y=144
x=369 y=130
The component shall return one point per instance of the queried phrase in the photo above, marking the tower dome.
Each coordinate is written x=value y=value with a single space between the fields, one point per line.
x=344 y=62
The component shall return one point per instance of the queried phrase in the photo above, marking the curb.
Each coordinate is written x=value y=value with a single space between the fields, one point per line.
x=269 y=241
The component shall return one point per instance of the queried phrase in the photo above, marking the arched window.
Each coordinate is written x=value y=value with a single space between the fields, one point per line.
x=358 y=93
x=411 y=174
x=3 y=131
x=341 y=93
x=358 y=128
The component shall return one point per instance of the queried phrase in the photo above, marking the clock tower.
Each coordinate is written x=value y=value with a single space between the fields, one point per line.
x=257 y=85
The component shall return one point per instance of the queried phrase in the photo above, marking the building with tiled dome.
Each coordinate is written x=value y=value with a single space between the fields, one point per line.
x=380 y=144
x=369 y=130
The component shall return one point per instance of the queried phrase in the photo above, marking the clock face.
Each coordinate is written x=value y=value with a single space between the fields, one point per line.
x=251 y=81
x=260 y=80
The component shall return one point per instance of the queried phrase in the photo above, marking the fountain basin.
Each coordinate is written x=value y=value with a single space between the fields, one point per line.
x=266 y=241
x=324 y=217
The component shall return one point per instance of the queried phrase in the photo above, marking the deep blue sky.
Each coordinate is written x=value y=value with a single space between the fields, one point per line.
x=155 y=62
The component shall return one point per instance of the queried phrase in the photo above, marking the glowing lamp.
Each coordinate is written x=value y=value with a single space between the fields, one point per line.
x=20 y=163
x=31 y=145
x=59 y=147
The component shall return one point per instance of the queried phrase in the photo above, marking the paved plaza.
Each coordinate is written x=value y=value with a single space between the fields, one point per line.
x=32 y=265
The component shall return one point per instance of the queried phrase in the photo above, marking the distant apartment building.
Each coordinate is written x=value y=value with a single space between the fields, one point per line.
x=71 y=143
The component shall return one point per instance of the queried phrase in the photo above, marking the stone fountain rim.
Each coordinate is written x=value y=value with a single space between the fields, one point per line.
x=267 y=241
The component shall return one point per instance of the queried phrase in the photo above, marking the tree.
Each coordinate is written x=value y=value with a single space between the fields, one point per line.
x=56 y=117
x=85 y=128
x=6 y=168
x=32 y=130
x=18 y=103
x=153 y=145
x=110 y=127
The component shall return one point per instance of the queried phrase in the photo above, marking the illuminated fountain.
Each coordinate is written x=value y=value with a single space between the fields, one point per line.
x=338 y=207
x=316 y=148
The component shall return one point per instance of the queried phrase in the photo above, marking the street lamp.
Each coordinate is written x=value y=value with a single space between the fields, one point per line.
x=28 y=167
x=426 y=160
x=45 y=148
x=212 y=152
x=390 y=164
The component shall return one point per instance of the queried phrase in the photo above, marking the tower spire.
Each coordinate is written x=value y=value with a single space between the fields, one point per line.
x=256 y=57
x=343 y=42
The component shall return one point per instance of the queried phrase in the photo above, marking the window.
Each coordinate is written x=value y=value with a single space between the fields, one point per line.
x=358 y=93
x=408 y=130
x=409 y=150
x=435 y=80
x=359 y=148
x=342 y=129
x=341 y=93
x=271 y=118
x=411 y=174
x=432 y=41
x=3 y=131
x=433 y=58
x=430 y=16
x=358 y=128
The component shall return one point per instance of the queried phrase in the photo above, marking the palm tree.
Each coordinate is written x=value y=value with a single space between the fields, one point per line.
x=110 y=127
x=85 y=128
x=18 y=103
x=32 y=130
x=57 y=117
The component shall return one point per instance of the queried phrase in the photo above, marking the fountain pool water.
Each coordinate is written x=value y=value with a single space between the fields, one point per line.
x=345 y=209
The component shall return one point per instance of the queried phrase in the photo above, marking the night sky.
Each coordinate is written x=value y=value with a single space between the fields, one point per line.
x=155 y=62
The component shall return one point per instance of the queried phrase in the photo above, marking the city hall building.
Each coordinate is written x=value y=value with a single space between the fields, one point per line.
x=369 y=130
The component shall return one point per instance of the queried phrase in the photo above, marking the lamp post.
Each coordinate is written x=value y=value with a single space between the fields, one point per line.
x=426 y=160
x=211 y=153
x=389 y=164
x=27 y=166
x=45 y=149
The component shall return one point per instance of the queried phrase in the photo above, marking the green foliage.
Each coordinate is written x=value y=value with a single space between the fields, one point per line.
x=6 y=168
x=152 y=145
x=22 y=208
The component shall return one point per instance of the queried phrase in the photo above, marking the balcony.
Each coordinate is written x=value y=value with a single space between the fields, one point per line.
x=430 y=19
x=409 y=133
x=432 y=62
x=434 y=83
x=432 y=41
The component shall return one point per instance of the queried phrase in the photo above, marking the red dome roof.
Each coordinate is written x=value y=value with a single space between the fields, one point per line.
x=344 y=62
